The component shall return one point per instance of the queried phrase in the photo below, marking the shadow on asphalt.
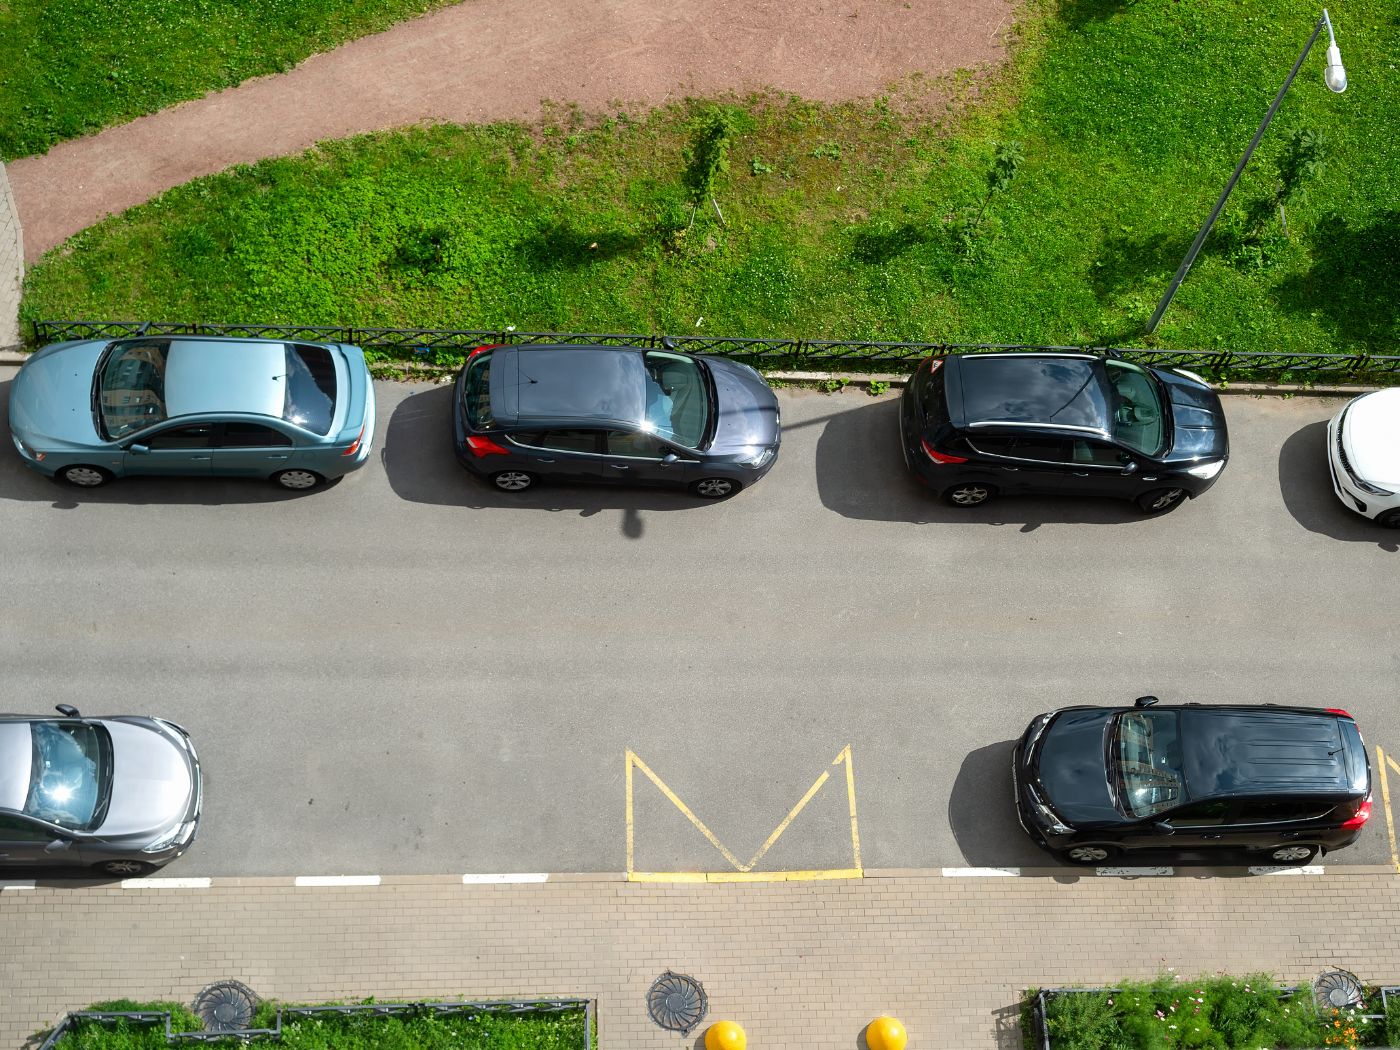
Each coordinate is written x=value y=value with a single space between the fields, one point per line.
x=1305 y=481
x=861 y=474
x=421 y=468
x=18 y=482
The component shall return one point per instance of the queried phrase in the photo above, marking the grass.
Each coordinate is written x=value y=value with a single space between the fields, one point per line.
x=68 y=67
x=851 y=221
x=499 y=1032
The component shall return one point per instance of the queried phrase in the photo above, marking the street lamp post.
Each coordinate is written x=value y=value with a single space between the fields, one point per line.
x=1336 y=78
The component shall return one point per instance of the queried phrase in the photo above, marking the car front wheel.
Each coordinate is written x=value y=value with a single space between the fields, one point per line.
x=1297 y=855
x=1390 y=519
x=1089 y=854
x=1159 y=501
x=715 y=488
x=127 y=869
x=971 y=494
x=84 y=476
x=297 y=480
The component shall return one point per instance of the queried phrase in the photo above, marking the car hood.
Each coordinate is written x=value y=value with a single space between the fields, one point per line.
x=747 y=407
x=51 y=399
x=1371 y=437
x=152 y=782
x=1070 y=770
x=1198 y=421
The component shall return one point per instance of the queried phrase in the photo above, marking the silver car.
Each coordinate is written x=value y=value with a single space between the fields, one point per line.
x=119 y=794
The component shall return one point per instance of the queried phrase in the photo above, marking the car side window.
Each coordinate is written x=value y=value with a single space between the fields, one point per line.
x=1041 y=449
x=1269 y=811
x=992 y=444
x=1200 y=814
x=1098 y=453
x=253 y=435
x=17 y=829
x=634 y=444
x=570 y=440
x=196 y=436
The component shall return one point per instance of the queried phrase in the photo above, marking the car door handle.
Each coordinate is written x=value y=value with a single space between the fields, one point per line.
x=1212 y=836
x=1081 y=473
x=276 y=457
x=543 y=459
x=619 y=466
x=1011 y=470
x=200 y=457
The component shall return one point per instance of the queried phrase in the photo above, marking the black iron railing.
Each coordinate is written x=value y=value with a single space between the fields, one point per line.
x=445 y=345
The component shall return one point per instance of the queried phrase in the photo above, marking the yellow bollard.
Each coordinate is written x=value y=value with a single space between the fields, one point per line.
x=884 y=1033
x=725 y=1035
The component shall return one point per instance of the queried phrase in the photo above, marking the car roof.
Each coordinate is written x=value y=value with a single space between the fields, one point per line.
x=16 y=755
x=567 y=383
x=1052 y=390
x=1266 y=750
x=204 y=375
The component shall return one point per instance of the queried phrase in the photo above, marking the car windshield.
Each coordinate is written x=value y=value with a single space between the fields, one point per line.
x=1137 y=408
x=677 y=400
x=310 y=397
x=1147 y=750
x=69 y=773
x=130 y=387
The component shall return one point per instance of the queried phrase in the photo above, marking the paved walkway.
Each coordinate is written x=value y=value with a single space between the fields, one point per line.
x=11 y=265
x=797 y=964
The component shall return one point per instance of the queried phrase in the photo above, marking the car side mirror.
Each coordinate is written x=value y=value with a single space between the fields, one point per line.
x=59 y=846
x=669 y=458
x=1130 y=467
x=138 y=449
x=1144 y=701
x=1163 y=828
x=66 y=710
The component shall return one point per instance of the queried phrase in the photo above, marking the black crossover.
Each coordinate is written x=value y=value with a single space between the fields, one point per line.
x=974 y=426
x=1284 y=782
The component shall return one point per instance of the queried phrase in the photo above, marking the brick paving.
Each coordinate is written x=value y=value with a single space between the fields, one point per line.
x=11 y=264
x=797 y=964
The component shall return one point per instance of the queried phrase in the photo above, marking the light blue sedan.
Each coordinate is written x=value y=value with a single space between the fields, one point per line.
x=89 y=411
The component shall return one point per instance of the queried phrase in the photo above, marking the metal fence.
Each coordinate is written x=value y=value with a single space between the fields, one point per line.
x=495 y=1008
x=432 y=344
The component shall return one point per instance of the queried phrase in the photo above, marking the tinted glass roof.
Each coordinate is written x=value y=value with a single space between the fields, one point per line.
x=1030 y=388
x=567 y=382
x=1262 y=751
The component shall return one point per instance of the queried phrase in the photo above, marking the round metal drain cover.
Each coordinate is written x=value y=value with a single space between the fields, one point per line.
x=677 y=1002
x=1337 y=990
x=226 y=1007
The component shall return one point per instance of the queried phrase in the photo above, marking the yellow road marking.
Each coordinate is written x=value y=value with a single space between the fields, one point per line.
x=743 y=872
x=1383 y=760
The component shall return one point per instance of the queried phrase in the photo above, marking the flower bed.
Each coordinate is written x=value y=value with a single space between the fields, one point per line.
x=1213 y=1013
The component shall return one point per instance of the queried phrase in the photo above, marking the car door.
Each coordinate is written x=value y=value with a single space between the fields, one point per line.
x=563 y=453
x=26 y=843
x=1028 y=463
x=1263 y=822
x=180 y=449
x=250 y=449
x=1100 y=468
x=643 y=459
x=1193 y=826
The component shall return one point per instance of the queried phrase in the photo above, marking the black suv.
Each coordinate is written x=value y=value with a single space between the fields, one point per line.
x=1285 y=782
x=974 y=426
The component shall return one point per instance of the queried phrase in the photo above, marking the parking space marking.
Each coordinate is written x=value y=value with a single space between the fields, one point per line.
x=1135 y=873
x=969 y=873
x=1383 y=760
x=14 y=885
x=166 y=884
x=491 y=880
x=743 y=872
x=1306 y=869
x=337 y=880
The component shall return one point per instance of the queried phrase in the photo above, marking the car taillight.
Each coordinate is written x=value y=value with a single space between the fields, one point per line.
x=940 y=457
x=483 y=349
x=1339 y=711
x=355 y=445
x=483 y=446
x=1362 y=814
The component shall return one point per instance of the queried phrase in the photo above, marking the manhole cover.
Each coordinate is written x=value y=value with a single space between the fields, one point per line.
x=677 y=1002
x=1337 y=990
x=226 y=1006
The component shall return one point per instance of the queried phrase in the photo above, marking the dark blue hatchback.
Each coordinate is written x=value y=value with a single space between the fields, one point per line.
x=529 y=413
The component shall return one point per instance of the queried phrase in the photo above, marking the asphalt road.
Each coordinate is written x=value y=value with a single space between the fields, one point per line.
x=409 y=673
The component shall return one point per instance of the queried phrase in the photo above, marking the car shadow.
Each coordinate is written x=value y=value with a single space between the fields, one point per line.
x=18 y=482
x=1305 y=482
x=419 y=462
x=861 y=474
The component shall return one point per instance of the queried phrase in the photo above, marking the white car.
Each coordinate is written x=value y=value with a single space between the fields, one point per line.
x=1363 y=452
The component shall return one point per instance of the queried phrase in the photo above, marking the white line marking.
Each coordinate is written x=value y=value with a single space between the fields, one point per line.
x=7 y=885
x=957 y=873
x=166 y=884
x=1134 y=872
x=337 y=880
x=522 y=876
x=1306 y=869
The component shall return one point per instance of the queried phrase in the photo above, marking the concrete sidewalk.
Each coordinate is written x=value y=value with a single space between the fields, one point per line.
x=798 y=964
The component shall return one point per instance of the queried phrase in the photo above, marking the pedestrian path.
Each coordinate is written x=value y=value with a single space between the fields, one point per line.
x=798 y=964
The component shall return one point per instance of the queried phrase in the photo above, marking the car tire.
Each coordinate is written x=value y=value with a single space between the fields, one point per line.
x=1390 y=519
x=1294 y=854
x=83 y=476
x=715 y=488
x=126 y=869
x=512 y=480
x=1160 y=501
x=1089 y=854
x=298 y=480
x=969 y=494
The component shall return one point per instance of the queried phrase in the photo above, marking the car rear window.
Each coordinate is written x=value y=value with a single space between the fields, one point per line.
x=476 y=392
x=129 y=389
x=311 y=388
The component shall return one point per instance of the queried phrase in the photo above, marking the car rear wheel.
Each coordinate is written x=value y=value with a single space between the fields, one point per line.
x=297 y=480
x=1159 y=501
x=128 y=869
x=1089 y=854
x=970 y=494
x=1390 y=519
x=1293 y=854
x=715 y=488
x=512 y=480
x=84 y=476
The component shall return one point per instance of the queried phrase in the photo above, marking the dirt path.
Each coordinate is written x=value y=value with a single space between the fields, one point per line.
x=486 y=60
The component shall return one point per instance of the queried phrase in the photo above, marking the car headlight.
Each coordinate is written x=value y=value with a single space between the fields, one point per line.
x=181 y=835
x=1206 y=471
x=760 y=459
x=1049 y=819
x=1366 y=486
x=27 y=451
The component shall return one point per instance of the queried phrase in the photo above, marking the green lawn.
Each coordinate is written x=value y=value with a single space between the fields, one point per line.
x=68 y=67
x=842 y=222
